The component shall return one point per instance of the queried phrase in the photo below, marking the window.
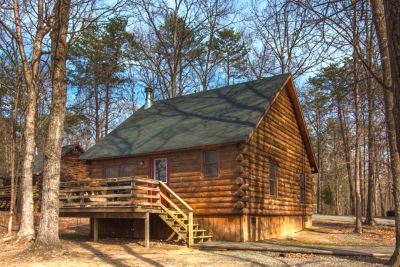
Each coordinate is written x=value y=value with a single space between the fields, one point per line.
x=210 y=163
x=302 y=188
x=116 y=171
x=272 y=177
x=127 y=170
x=160 y=170
x=112 y=171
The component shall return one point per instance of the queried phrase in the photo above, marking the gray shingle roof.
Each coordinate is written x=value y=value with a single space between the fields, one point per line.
x=218 y=116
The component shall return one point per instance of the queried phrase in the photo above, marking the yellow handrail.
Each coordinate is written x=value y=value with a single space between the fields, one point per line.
x=188 y=217
x=176 y=196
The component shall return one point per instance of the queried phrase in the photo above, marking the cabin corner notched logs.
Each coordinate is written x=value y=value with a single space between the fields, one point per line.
x=243 y=174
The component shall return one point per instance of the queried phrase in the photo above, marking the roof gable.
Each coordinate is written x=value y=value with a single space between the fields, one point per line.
x=218 y=116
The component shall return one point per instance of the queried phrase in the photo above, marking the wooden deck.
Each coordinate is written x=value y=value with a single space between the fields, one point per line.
x=114 y=195
x=130 y=197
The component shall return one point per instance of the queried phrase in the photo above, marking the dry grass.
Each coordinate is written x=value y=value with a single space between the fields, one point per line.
x=79 y=250
x=334 y=233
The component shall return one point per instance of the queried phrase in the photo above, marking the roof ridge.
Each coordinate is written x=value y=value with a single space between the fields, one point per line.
x=219 y=88
x=216 y=116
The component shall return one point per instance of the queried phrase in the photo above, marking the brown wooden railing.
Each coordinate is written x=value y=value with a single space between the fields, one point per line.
x=111 y=192
x=5 y=191
x=135 y=192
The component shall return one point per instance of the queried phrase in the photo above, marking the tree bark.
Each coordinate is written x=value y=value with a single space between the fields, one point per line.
x=48 y=229
x=370 y=220
x=357 y=107
x=14 y=188
x=382 y=34
x=347 y=153
x=30 y=70
x=97 y=110
x=106 y=106
x=392 y=14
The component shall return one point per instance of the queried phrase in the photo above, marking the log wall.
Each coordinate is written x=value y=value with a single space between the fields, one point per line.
x=72 y=168
x=278 y=138
x=205 y=195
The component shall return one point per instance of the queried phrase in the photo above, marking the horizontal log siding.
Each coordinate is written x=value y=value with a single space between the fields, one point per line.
x=205 y=195
x=278 y=137
x=72 y=168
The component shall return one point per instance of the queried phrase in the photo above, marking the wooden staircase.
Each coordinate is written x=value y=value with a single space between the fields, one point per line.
x=179 y=217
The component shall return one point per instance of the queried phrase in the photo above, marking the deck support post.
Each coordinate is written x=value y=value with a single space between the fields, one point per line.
x=147 y=230
x=190 y=229
x=95 y=229
x=244 y=231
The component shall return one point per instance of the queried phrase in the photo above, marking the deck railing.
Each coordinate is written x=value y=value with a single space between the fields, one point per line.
x=5 y=191
x=111 y=192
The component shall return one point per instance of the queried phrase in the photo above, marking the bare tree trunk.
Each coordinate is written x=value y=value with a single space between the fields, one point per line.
x=48 y=229
x=97 y=110
x=357 y=106
x=30 y=70
x=370 y=220
x=347 y=153
x=382 y=33
x=26 y=229
x=106 y=107
x=319 y=164
x=14 y=188
x=392 y=14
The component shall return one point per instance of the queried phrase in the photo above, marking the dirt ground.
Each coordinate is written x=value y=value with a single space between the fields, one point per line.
x=79 y=250
x=335 y=233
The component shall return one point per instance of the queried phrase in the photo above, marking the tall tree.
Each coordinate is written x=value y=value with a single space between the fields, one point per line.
x=392 y=14
x=316 y=101
x=357 y=110
x=231 y=53
x=370 y=213
x=287 y=37
x=215 y=17
x=48 y=228
x=98 y=62
x=16 y=27
x=167 y=44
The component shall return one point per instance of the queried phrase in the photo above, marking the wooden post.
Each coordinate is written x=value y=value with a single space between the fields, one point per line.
x=244 y=228
x=81 y=200
x=147 y=230
x=190 y=229
x=91 y=227
x=95 y=229
x=132 y=199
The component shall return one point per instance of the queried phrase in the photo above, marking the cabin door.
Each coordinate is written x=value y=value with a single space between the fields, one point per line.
x=160 y=173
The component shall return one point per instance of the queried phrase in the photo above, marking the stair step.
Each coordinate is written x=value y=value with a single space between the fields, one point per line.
x=202 y=236
x=195 y=230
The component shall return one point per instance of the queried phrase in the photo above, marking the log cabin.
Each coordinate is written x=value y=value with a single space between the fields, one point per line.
x=238 y=158
x=72 y=168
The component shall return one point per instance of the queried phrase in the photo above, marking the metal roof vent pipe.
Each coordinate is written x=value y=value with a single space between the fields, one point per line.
x=149 y=97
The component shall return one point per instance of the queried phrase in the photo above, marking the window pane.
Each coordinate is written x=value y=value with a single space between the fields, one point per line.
x=210 y=163
x=272 y=187
x=127 y=170
x=272 y=170
x=272 y=178
x=160 y=170
x=112 y=171
x=211 y=170
x=302 y=188
x=210 y=157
